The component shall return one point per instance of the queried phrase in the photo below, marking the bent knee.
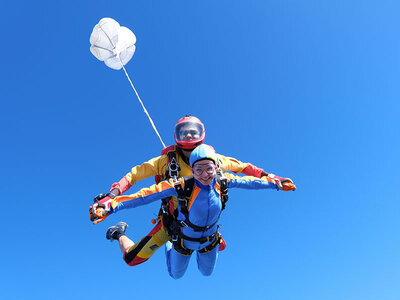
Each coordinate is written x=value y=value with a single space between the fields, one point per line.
x=136 y=261
x=132 y=258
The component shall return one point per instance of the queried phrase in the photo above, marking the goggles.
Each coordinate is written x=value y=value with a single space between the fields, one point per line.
x=189 y=131
x=209 y=168
x=188 y=134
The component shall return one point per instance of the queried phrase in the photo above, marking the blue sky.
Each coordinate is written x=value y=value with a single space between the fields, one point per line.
x=305 y=89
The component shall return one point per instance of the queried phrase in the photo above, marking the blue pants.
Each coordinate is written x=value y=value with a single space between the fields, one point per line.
x=178 y=263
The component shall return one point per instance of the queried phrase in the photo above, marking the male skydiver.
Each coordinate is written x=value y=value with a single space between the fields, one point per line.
x=201 y=201
x=189 y=133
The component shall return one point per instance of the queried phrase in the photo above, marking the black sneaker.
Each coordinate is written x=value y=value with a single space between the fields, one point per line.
x=115 y=232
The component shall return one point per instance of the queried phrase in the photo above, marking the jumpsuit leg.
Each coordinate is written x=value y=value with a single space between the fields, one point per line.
x=206 y=261
x=176 y=262
x=143 y=250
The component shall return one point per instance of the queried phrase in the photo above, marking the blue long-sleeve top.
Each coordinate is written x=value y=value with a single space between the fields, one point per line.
x=204 y=205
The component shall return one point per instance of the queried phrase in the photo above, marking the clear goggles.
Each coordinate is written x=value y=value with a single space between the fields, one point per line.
x=208 y=168
x=189 y=131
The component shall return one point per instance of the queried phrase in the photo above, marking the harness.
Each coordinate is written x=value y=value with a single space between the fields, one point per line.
x=175 y=226
x=169 y=213
x=173 y=167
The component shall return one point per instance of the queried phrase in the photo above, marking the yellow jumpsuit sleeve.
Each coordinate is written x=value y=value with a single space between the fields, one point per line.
x=153 y=167
x=231 y=164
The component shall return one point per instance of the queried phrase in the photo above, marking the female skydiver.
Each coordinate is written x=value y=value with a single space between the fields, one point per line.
x=199 y=208
x=189 y=133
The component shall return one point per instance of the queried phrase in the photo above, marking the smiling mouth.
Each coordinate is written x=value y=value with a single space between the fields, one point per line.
x=206 y=179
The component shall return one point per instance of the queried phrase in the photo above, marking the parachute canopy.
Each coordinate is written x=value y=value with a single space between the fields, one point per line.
x=112 y=43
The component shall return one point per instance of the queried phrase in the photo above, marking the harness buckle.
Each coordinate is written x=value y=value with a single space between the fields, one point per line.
x=184 y=224
x=177 y=184
x=173 y=168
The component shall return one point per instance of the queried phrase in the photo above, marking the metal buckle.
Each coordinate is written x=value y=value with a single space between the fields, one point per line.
x=173 y=168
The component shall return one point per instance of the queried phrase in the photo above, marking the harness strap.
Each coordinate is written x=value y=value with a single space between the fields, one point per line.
x=178 y=245
x=183 y=199
x=223 y=186
x=201 y=240
x=184 y=194
x=212 y=246
x=172 y=171
x=175 y=226
x=196 y=228
x=181 y=249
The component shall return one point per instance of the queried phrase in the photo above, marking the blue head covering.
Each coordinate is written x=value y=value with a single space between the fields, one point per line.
x=202 y=152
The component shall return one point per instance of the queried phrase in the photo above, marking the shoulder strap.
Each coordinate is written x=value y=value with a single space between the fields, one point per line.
x=173 y=167
x=185 y=192
x=223 y=186
x=168 y=149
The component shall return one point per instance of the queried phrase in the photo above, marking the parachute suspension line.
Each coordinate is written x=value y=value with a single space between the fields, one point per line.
x=140 y=100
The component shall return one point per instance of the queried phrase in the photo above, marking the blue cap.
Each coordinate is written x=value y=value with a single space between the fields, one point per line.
x=202 y=152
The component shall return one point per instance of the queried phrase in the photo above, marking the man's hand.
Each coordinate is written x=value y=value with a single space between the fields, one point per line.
x=288 y=186
x=98 y=214
x=100 y=210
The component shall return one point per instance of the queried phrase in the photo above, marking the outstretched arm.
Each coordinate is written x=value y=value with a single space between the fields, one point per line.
x=153 y=167
x=233 y=165
x=265 y=182
x=144 y=196
x=252 y=183
x=102 y=209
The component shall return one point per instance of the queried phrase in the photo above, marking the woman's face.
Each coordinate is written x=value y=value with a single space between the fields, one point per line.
x=204 y=171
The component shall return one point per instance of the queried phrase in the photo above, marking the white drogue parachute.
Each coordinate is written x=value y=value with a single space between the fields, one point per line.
x=115 y=45
x=112 y=43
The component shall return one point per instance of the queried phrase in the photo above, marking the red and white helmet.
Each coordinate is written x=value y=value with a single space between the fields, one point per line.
x=189 y=133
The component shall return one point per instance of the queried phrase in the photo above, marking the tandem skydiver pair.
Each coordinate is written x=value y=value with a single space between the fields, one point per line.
x=191 y=204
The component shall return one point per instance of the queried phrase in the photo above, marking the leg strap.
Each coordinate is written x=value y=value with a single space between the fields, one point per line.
x=212 y=246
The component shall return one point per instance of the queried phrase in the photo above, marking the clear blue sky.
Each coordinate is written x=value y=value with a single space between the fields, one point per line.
x=305 y=89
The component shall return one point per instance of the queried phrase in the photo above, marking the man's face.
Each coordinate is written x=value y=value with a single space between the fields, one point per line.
x=204 y=171
x=189 y=133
